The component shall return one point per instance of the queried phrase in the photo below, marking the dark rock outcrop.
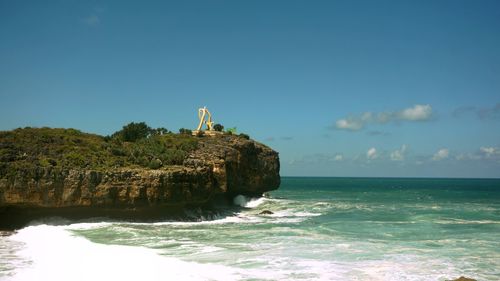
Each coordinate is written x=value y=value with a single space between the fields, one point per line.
x=221 y=165
x=461 y=278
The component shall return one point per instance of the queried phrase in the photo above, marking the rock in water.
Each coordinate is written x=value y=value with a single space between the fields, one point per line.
x=266 y=212
x=219 y=165
x=461 y=278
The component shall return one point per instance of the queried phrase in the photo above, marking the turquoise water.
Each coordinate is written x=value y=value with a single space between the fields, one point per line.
x=320 y=229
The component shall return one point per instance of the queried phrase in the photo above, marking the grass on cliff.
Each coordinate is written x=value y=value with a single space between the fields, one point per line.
x=29 y=149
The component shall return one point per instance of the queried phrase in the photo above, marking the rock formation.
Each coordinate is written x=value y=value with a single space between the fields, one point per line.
x=221 y=165
x=461 y=278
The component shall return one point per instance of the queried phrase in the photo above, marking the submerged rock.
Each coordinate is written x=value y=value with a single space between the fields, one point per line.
x=266 y=212
x=220 y=165
x=461 y=278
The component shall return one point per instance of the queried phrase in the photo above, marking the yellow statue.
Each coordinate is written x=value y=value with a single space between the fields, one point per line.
x=202 y=113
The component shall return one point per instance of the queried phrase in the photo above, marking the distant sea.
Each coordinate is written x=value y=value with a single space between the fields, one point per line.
x=319 y=229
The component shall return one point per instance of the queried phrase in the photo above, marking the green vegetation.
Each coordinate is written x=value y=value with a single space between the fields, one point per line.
x=218 y=127
x=137 y=131
x=136 y=145
x=245 y=136
x=231 y=131
x=185 y=131
x=133 y=132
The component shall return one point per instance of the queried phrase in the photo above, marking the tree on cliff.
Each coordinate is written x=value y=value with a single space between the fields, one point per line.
x=218 y=127
x=160 y=131
x=184 y=131
x=133 y=132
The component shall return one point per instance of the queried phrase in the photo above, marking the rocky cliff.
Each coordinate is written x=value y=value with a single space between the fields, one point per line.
x=219 y=166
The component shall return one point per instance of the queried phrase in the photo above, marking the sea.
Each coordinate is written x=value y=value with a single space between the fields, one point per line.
x=316 y=229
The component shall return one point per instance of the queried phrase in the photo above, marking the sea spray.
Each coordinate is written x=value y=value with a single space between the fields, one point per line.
x=248 y=202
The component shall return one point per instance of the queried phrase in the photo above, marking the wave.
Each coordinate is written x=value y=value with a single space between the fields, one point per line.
x=283 y=211
x=248 y=202
x=461 y=221
x=54 y=254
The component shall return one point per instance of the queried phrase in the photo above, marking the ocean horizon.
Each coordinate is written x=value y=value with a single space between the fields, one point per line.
x=311 y=228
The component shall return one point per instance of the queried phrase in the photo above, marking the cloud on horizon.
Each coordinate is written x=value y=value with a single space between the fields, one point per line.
x=441 y=154
x=419 y=112
x=371 y=154
x=400 y=157
x=399 y=154
x=490 y=152
x=318 y=158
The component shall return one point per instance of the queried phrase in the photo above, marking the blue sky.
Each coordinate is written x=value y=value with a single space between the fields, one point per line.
x=339 y=88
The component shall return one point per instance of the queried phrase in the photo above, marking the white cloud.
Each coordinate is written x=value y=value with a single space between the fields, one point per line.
x=490 y=151
x=441 y=154
x=371 y=153
x=468 y=156
x=417 y=112
x=399 y=154
x=92 y=20
x=338 y=157
x=348 y=124
x=319 y=158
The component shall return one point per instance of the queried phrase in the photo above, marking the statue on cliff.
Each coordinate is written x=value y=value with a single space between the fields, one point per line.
x=203 y=113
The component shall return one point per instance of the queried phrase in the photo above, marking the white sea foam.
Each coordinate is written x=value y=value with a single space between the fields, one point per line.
x=88 y=225
x=460 y=221
x=291 y=213
x=57 y=255
x=238 y=218
x=306 y=214
x=248 y=202
x=253 y=203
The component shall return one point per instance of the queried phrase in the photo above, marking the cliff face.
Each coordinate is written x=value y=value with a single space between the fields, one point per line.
x=220 y=165
x=239 y=166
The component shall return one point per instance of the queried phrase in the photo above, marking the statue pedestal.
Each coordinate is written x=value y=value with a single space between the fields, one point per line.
x=207 y=133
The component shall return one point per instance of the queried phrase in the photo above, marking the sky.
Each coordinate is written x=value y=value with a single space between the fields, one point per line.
x=338 y=88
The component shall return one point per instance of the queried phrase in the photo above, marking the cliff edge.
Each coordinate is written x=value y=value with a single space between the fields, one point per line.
x=67 y=173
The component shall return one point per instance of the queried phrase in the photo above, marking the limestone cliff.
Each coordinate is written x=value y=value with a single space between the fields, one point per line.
x=219 y=165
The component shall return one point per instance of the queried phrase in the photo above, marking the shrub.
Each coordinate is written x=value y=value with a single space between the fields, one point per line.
x=117 y=151
x=155 y=164
x=245 y=136
x=133 y=132
x=218 y=127
x=75 y=159
x=160 y=131
x=185 y=131
x=231 y=131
